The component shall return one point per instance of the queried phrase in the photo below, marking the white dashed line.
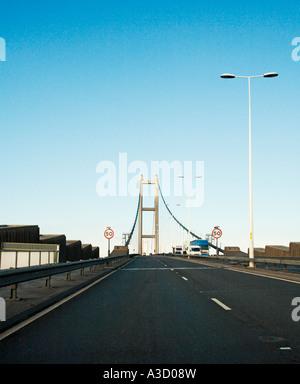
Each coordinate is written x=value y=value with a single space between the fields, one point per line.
x=221 y=304
x=184 y=278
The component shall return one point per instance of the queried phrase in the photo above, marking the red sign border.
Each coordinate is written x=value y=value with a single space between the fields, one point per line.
x=218 y=230
x=109 y=229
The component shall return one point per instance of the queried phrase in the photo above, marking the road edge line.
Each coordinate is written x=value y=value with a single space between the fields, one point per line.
x=52 y=307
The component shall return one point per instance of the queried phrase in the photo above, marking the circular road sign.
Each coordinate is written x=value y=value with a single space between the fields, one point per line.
x=216 y=233
x=109 y=233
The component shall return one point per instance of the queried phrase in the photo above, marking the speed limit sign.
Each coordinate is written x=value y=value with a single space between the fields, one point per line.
x=109 y=233
x=216 y=233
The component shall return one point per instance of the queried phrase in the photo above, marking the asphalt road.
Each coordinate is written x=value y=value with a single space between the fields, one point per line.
x=161 y=310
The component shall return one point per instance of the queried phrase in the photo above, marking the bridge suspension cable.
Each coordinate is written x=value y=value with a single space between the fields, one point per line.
x=173 y=216
x=181 y=225
x=134 y=224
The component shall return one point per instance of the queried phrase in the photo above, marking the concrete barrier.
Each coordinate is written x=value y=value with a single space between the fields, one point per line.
x=95 y=252
x=120 y=250
x=56 y=239
x=19 y=233
x=277 y=251
x=86 y=252
x=233 y=251
x=259 y=251
x=73 y=250
x=294 y=249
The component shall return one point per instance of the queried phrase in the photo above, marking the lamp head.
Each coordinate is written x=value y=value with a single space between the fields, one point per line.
x=271 y=74
x=227 y=76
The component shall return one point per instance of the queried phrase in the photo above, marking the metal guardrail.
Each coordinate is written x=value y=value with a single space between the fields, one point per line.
x=13 y=277
x=244 y=260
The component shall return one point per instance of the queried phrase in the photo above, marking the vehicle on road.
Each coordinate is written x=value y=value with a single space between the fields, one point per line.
x=195 y=250
x=203 y=245
x=177 y=250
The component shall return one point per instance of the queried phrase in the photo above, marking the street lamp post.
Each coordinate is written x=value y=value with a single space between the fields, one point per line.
x=231 y=76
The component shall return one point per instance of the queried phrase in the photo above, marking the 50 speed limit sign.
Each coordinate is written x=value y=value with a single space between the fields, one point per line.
x=216 y=233
x=109 y=233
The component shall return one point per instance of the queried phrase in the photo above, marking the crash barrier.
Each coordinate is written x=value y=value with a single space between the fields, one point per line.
x=2 y=309
x=274 y=263
x=14 y=277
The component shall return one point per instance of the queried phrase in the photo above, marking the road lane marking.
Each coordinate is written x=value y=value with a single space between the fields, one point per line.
x=256 y=273
x=146 y=269
x=164 y=268
x=186 y=268
x=38 y=315
x=221 y=304
x=184 y=278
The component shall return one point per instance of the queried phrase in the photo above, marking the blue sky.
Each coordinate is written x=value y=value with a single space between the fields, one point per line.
x=84 y=81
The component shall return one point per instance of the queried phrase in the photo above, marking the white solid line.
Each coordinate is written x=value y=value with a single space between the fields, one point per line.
x=146 y=269
x=184 y=278
x=163 y=269
x=23 y=324
x=221 y=304
x=269 y=277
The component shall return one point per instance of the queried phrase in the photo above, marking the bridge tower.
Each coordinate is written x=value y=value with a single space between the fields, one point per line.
x=142 y=209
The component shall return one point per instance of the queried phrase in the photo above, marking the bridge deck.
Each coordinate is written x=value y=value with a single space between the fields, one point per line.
x=165 y=310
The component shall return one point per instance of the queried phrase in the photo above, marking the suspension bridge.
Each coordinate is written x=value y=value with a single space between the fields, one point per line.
x=131 y=309
x=138 y=221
